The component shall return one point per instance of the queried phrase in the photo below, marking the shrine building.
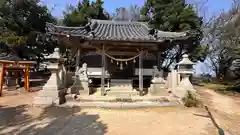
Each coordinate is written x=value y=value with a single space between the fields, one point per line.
x=116 y=56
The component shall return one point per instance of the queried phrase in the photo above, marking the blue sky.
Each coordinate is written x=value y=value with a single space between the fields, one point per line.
x=214 y=6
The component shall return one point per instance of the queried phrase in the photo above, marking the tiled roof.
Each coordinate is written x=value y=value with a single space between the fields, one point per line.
x=73 y=31
x=114 y=30
x=11 y=57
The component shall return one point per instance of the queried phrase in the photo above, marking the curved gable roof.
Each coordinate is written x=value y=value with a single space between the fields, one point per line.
x=114 y=30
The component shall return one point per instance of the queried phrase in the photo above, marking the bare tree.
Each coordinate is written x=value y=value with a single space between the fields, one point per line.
x=127 y=14
x=222 y=34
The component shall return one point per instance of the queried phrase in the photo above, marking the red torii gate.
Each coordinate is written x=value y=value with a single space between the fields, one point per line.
x=16 y=66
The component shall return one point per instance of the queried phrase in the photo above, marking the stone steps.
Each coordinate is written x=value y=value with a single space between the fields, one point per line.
x=118 y=105
x=121 y=88
x=92 y=98
x=122 y=93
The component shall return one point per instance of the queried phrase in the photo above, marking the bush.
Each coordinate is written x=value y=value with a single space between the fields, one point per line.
x=190 y=100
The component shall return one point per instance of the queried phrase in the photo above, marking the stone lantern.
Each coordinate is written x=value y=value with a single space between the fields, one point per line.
x=49 y=93
x=55 y=66
x=185 y=69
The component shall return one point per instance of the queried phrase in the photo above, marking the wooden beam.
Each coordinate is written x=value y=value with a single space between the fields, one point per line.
x=103 y=72
x=2 y=78
x=140 y=73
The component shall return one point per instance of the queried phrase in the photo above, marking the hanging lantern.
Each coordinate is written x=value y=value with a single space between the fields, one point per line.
x=111 y=61
x=121 y=66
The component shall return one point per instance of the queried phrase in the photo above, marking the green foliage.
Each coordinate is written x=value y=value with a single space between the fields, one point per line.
x=199 y=53
x=176 y=16
x=21 y=23
x=190 y=100
x=171 y=15
x=76 y=16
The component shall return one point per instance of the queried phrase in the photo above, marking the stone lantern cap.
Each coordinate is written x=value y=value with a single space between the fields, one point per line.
x=185 y=61
x=54 y=56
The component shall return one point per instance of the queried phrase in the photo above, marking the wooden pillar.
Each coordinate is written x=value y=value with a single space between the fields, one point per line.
x=26 y=78
x=103 y=72
x=78 y=59
x=140 y=74
x=2 y=78
x=159 y=61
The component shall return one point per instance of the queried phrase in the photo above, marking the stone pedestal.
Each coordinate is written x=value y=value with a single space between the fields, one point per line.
x=184 y=86
x=80 y=86
x=157 y=88
x=85 y=88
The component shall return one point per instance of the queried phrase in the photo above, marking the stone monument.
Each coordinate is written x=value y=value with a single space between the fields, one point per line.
x=185 y=68
x=49 y=94
x=157 y=87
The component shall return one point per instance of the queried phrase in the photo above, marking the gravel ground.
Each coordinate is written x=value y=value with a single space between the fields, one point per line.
x=19 y=117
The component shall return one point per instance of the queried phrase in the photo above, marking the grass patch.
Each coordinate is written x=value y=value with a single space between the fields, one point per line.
x=190 y=100
x=222 y=88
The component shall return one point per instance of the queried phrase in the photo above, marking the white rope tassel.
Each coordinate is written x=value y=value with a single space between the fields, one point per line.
x=117 y=62
x=126 y=63
x=134 y=61
x=111 y=61
x=121 y=66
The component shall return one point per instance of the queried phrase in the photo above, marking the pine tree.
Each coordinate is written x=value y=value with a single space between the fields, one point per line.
x=176 y=16
x=77 y=16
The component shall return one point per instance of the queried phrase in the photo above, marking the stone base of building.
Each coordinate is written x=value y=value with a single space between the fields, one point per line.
x=116 y=102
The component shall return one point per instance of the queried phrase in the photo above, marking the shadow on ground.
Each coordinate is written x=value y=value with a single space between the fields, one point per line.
x=51 y=121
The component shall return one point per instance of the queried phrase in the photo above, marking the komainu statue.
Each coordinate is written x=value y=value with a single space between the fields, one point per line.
x=157 y=75
x=156 y=72
x=83 y=72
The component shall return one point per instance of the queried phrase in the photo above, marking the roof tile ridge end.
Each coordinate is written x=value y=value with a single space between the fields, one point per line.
x=92 y=23
x=145 y=24
x=62 y=26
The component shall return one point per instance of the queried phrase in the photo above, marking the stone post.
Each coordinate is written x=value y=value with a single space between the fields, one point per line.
x=179 y=78
x=49 y=94
x=174 y=79
x=185 y=70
